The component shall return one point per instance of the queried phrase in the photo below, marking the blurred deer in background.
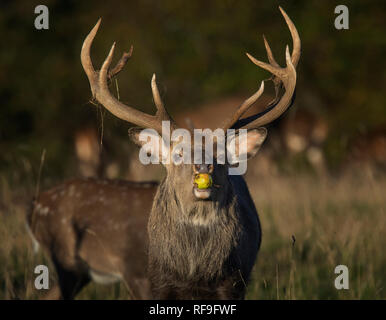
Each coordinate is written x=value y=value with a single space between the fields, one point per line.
x=203 y=242
x=92 y=155
x=303 y=132
x=369 y=149
x=88 y=152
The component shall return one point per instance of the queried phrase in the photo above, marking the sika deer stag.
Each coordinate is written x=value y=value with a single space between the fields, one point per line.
x=203 y=242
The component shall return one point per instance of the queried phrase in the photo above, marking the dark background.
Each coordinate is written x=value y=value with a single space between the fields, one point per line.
x=197 y=50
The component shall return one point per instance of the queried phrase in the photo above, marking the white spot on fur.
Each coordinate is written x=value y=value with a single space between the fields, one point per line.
x=43 y=211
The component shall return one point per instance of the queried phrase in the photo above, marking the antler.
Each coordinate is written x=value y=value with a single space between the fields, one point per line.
x=282 y=77
x=100 y=91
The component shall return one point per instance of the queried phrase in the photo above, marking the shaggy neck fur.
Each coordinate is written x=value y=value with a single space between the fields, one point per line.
x=192 y=240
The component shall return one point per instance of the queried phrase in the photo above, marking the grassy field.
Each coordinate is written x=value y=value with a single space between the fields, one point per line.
x=310 y=225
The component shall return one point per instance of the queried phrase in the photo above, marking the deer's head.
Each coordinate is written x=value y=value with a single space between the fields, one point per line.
x=185 y=177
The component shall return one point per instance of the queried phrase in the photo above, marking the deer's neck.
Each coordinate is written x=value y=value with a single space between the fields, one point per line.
x=194 y=238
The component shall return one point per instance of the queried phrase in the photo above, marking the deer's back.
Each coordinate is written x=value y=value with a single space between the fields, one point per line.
x=95 y=225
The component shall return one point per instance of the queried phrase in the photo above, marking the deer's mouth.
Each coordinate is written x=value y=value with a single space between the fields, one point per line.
x=202 y=186
x=202 y=194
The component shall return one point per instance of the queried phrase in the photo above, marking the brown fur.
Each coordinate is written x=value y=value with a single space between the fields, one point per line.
x=95 y=228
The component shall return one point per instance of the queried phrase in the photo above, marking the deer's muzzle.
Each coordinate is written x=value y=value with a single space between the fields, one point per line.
x=202 y=185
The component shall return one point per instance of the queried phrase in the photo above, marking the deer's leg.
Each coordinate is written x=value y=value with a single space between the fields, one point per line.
x=141 y=286
x=71 y=282
x=53 y=294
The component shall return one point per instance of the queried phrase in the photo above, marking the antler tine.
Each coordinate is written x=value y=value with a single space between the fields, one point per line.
x=157 y=97
x=105 y=66
x=271 y=59
x=281 y=77
x=121 y=63
x=99 y=87
x=162 y=113
x=277 y=71
x=244 y=107
x=288 y=78
x=252 y=99
x=296 y=43
x=294 y=57
x=276 y=81
x=86 y=59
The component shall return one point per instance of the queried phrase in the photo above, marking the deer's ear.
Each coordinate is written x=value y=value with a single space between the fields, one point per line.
x=134 y=135
x=247 y=147
x=150 y=141
x=255 y=140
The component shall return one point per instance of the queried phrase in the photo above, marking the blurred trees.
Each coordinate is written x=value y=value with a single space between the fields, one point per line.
x=197 y=50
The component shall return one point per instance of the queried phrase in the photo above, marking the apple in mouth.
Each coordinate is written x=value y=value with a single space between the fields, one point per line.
x=202 y=185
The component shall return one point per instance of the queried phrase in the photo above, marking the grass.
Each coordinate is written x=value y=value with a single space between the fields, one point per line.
x=310 y=225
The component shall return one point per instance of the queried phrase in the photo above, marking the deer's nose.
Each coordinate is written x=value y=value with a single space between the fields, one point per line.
x=203 y=168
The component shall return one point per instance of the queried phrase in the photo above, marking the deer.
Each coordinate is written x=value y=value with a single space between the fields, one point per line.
x=94 y=229
x=88 y=152
x=202 y=243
